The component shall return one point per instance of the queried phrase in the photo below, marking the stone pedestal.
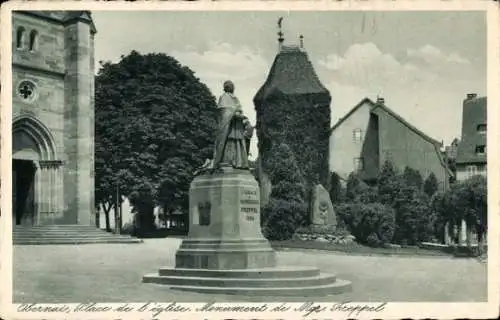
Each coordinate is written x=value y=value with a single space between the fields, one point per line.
x=224 y=224
x=225 y=251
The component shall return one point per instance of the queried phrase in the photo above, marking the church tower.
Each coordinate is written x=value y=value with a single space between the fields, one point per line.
x=293 y=107
x=53 y=118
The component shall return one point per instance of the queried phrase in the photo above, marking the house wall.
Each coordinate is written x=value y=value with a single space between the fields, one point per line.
x=463 y=172
x=343 y=147
x=404 y=147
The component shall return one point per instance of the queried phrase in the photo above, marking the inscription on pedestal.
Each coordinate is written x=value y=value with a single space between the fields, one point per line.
x=204 y=213
x=249 y=204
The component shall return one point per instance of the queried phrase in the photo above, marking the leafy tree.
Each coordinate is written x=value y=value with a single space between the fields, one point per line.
x=154 y=126
x=472 y=204
x=412 y=177
x=413 y=216
x=467 y=201
x=440 y=214
x=431 y=184
x=286 y=209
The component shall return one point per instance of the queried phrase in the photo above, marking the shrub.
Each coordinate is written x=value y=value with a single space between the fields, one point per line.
x=286 y=209
x=336 y=191
x=282 y=218
x=389 y=183
x=358 y=191
x=412 y=177
x=372 y=224
x=431 y=184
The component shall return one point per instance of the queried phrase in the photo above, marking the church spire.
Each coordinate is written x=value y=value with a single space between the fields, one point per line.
x=280 y=34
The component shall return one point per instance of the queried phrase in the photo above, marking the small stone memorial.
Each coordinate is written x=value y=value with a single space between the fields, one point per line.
x=225 y=251
x=322 y=208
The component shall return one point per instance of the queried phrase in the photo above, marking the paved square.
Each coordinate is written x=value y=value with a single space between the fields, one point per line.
x=113 y=273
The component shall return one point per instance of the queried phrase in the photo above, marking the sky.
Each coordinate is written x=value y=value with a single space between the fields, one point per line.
x=422 y=63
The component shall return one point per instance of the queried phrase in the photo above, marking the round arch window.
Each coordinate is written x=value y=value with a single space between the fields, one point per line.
x=27 y=91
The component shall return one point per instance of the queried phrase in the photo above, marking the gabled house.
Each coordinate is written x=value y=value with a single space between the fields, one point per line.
x=371 y=133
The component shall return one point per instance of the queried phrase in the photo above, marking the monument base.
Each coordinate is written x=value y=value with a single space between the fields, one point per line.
x=225 y=251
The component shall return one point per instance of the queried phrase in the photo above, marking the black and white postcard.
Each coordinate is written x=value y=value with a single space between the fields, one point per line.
x=250 y=160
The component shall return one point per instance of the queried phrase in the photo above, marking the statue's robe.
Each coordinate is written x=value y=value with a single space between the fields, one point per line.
x=230 y=146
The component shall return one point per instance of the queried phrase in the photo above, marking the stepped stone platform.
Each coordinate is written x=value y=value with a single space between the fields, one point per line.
x=65 y=234
x=225 y=251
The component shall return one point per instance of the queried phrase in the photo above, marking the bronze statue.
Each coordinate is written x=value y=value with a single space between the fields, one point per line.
x=233 y=135
x=233 y=130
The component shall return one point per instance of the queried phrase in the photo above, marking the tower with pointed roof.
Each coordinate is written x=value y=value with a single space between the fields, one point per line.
x=293 y=107
x=53 y=118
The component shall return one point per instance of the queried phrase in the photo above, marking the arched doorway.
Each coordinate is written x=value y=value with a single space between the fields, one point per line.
x=36 y=179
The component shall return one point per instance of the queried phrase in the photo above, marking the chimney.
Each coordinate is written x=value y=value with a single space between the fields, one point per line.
x=471 y=96
x=380 y=100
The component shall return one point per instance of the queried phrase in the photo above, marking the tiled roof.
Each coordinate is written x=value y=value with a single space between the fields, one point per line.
x=406 y=123
x=348 y=114
x=291 y=73
x=473 y=115
x=382 y=106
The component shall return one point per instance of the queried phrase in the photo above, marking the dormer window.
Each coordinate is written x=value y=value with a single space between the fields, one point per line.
x=20 y=37
x=481 y=128
x=33 y=40
x=480 y=150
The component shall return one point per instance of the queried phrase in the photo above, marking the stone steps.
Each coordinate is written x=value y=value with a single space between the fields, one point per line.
x=279 y=281
x=261 y=273
x=338 y=287
x=65 y=234
x=276 y=282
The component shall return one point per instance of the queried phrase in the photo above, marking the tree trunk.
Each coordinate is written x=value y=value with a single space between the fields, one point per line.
x=106 y=216
x=118 y=222
x=98 y=216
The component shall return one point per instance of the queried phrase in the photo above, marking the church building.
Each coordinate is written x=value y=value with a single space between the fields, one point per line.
x=52 y=118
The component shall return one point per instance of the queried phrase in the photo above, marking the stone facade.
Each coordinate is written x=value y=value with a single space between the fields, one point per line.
x=371 y=133
x=472 y=151
x=53 y=117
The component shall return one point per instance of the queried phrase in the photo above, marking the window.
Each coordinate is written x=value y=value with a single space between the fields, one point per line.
x=358 y=164
x=33 y=40
x=26 y=90
x=480 y=150
x=481 y=128
x=20 y=38
x=471 y=171
x=357 y=134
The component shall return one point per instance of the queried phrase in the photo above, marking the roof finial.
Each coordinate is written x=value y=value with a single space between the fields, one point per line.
x=301 y=37
x=280 y=33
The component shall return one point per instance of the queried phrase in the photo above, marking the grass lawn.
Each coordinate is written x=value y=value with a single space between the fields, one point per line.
x=113 y=272
x=357 y=249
